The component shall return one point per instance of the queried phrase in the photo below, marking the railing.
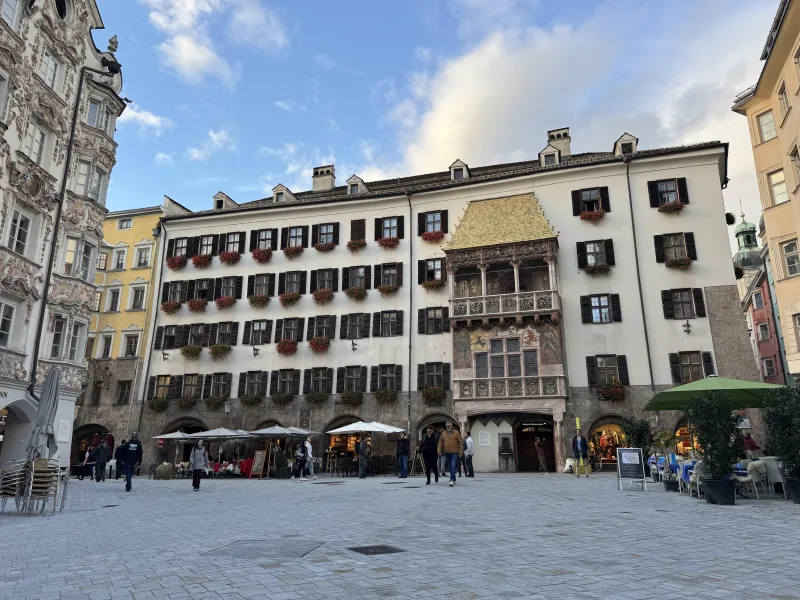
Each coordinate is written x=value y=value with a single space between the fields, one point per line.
x=521 y=303
x=510 y=387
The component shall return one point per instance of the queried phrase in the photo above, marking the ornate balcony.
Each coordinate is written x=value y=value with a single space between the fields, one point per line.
x=510 y=387
x=522 y=304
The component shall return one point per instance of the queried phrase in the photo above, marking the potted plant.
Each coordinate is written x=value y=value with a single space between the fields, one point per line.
x=385 y=396
x=354 y=246
x=262 y=255
x=215 y=402
x=219 y=351
x=286 y=347
x=678 y=263
x=324 y=246
x=356 y=293
x=170 y=307
x=292 y=251
x=250 y=400
x=593 y=216
x=433 y=284
x=782 y=416
x=387 y=290
x=388 y=242
x=322 y=296
x=434 y=395
x=288 y=299
x=319 y=345
x=225 y=302
x=187 y=402
x=316 y=397
x=201 y=261
x=197 y=304
x=639 y=434
x=176 y=263
x=665 y=439
x=351 y=398
x=613 y=392
x=716 y=425
x=157 y=404
x=282 y=399
x=432 y=236
x=592 y=269
x=258 y=300
x=229 y=258
x=671 y=207
x=191 y=352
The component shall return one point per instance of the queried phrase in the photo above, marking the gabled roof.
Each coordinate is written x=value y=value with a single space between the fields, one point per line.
x=501 y=221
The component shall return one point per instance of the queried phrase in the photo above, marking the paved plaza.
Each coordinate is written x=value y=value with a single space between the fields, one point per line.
x=495 y=536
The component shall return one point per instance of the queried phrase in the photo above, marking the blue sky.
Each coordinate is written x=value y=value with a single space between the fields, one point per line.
x=240 y=95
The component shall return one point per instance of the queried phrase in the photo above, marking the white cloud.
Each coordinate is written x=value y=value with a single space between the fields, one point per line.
x=215 y=142
x=162 y=159
x=147 y=121
x=194 y=59
x=253 y=24
x=423 y=54
x=324 y=61
x=290 y=106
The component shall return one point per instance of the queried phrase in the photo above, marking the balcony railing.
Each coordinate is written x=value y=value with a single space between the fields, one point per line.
x=522 y=303
x=510 y=387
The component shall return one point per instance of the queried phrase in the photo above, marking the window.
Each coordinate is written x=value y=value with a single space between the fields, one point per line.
x=388 y=324
x=170 y=336
x=667 y=192
x=353 y=188
x=105 y=351
x=683 y=304
x=87 y=350
x=143 y=257
x=8 y=11
x=295 y=236
x=261 y=285
x=265 y=239
x=113 y=300
x=125 y=223
x=74 y=345
x=69 y=256
x=758 y=300
x=326 y=234
x=691 y=367
x=131 y=345
x=458 y=173
x=218 y=385
x=93 y=116
x=433 y=269
x=96 y=302
x=531 y=361
x=325 y=279
x=137 y=300
x=59 y=326
x=357 y=278
x=354 y=324
x=202 y=289
x=258 y=333
x=783 y=100
x=196 y=335
x=607 y=370
x=590 y=200
x=433 y=320
x=225 y=334
x=206 y=245
x=549 y=159
x=777 y=184
x=674 y=246
x=601 y=312
x=119 y=260
x=177 y=291
x=97 y=181
x=768 y=366
x=481 y=365
x=386 y=377
x=191 y=386
x=6 y=322
x=87 y=257
x=232 y=242
x=279 y=197
x=389 y=275
x=504 y=358
x=319 y=379
x=102 y=260
x=433 y=375
x=229 y=286
x=433 y=221
x=293 y=281
x=48 y=69
x=286 y=381
x=390 y=227
x=35 y=138
x=20 y=229
x=323 y=327
x=124 y=392
x=218 y=204
x=763 y=332
x=253 y=384
x=289 y=329
x=352 y=379
x=795 y=158
x=791 y=259
x=766 y=126
x=595 y=253
x=627 y=147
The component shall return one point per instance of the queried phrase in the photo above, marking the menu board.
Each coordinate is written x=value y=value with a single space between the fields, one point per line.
x=258 y=463
x=630 y=463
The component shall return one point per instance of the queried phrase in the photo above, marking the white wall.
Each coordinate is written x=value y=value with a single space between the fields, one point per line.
x=486 y=458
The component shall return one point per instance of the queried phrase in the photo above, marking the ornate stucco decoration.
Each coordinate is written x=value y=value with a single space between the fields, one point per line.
x=97 y=146
x=114 y=282
x=85 y=215
x=493 y=254
x=108 y=329
x=72 y=377
x=67 y=37
x=12 y=367
x=121 y=245
x=133 y=327
x=77 y=297
x=144 y=242
x=19 y=276
x=138 y=280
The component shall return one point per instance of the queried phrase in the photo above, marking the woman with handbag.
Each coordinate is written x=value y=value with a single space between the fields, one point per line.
x=198 y=462
x=300 y=455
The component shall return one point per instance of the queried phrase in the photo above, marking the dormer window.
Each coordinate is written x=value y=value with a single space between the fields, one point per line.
x=354 y=188
x=458 y=174
x=459 y=171
x=218 y=204
x=549 y=159
x=627 y=147
x=279 y=197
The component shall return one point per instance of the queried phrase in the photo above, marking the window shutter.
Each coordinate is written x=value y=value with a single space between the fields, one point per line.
x=576 y=203
x=278 y=330
x=699 y=303
x=420 y=377
x=206 y=335
x=185 y=331
x=300 y=325
x=190 y=287
x=263 y=386
x=358 y=229
x=251 y=285
x=223 y=242
x=313 y=287
x=343 y=327
x=165 y=292
x=658 y=242
x=284 y=237
x=398 y=377
x=363 y=379
x=345 y=278
x=446 y=375
x=170 y=344
x=581 y=247
x=591 y=370
x=445 y=318
x=213 y=333
x=194 y=246
x=399 y=326
x=207 y=381
x=217 y=287
x=401 y=229
x=281 y=283
x=273 y=238
x=159 y=337
x=330 y=331
x=365 y=325
x=234 y=333
x=226 y=389
x=340 y=380
x=675 y=367
x=445 y=225
x=238 y=287
x=610 y=260
x=306 y=381
x=253 y=239
x=304 y=240
x=303 y=281
x=271 y=286
x=377 y=276
x=310 y=331
x=421 y=320
x=242 y=235
x=708 y=364
x=378 y=228
x=667 y=305
x=616 y=308
x=367 y=277
x=373 y=379
x=185 y=293
x=376 y=324
x=683 y=191
x=605 y=202
x=242 y=383
x=652 y=191
x=400 y=274
x=421 y=223
x=622 y=369
x=444 y=269
x=691 y=248
x=151 y=388
x=329 y=380
x=214 y=245
x=268 y=332
x=296 y=382
x=335 y=279
x=178 y=385
x=314 y=235
x=273 y=384
x=336 y=234
x=420 y=271
x=170 y=248
x=248 y=325
x=586 y=309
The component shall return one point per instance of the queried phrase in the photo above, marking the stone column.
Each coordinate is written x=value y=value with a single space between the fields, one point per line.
x=515 y=264
x=483 y=278
x=558 y=443
x=552 y=264
x=451 y=281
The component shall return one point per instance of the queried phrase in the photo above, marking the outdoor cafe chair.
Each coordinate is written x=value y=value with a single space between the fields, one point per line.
x=12 y=483
x=696 y=477
x=390 y=465
x=774 y=474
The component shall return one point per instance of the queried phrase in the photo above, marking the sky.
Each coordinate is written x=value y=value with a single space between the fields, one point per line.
x=241 y=95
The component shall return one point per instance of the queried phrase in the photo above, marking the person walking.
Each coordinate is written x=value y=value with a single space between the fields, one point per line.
x=580 y=452
x=300 y=455
x=428 y=449
x=84 y=468
x=450 y=446
x=310 y=459
x=101 y=457
x=131 y=458
x=539 y=445
x=362 y=458
x=403 y=450
x=118 y=458
x=469 y=452
x=442 y=466
x=198 y=462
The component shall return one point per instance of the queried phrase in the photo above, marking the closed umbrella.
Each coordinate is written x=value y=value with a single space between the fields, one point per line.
x=743 y=394
x=43 y=440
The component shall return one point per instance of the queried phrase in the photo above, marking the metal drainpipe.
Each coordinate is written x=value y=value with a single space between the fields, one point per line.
x=410 y=305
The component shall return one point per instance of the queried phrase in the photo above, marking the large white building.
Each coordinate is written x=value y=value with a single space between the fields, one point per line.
x=567 y=286
x=45 y=48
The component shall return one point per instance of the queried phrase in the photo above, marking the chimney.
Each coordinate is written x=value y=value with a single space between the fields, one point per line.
x=324 y=178
x=560 y=140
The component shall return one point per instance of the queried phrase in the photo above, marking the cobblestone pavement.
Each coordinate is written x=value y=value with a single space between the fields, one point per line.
x=495 y=536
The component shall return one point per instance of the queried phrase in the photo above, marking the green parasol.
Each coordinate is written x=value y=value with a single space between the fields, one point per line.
x=743 y=394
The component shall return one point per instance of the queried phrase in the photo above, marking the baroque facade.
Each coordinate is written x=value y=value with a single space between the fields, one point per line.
x=44 y=47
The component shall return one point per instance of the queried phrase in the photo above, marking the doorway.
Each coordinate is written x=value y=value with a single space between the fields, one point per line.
x=526 y=433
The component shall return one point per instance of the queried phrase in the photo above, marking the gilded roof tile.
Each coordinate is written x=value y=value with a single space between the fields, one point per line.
x=501 y=221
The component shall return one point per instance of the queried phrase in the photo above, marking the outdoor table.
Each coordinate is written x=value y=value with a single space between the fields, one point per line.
x=685 y=475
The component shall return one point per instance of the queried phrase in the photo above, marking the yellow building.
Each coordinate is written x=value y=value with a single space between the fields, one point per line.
x=772 y=108
x=125 y=276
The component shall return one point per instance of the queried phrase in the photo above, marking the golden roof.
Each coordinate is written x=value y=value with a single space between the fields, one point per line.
x=501 y=221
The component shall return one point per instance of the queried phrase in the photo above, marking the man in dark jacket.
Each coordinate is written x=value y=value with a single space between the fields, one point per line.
x=131 y=457
x=362 y=458
x=580 y=452
x=118 y=457
x=430 y=454
x=403 y=450
x=101 y=456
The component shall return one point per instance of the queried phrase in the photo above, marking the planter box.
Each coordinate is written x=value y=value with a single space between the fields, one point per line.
x=720 y=491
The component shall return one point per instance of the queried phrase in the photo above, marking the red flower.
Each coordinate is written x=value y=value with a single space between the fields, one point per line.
x=387 y=290
x=170 y=307
x=322 y=296
x=678 y=263
x=356 y=245
x=292 y=251
x=289 y=298
x=258 y=300
x=225 y=302
x=198 y=304
x=286 y=347
x=432 y=236
x=201 y=261
x=356 y=293
x=324 y=246
x=229 y=258
x=433 y=284
x=176 y=263
x=611 y=392
x=390 y=242
x=671 y=207
x=261 y=256
x=319 y=344
x=593 y=215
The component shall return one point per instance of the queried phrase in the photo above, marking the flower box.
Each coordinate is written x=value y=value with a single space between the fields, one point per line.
x=596 y=269
x=388 y=290
x=157 y=404
x=319 y=344
x=316 y=397
x=391 y=242
x=593 y=216
x=356 y=245
x=191 y=352
x=434 y=396
x=324 y=246
x=613 y=392
x=250 y=400
x=292 y=251
x=219 y=351
x=225 y=302
x=201 y=261
x=322 y=296
x=197 y=304
x=351 y=398
x=678 y=263
x=356 y=293
x=282 y=399
x=288 y=299
x=286 y=347
x=215 y=402
x=261 y=255
x=433 y=284
x=229 y=258
x=187 y=402
x=170 y=307
x=432 y=236
x=385 y=396
x=258 y=300
x=176 y=263
x=671 y=207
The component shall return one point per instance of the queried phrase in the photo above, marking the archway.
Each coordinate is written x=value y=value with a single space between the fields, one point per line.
x=173 y=448
x=340 y=446
x=436 y=420
x=86 y=437
x=605 y=436
x=527 y=429
x=16 y=419
x=683 y=437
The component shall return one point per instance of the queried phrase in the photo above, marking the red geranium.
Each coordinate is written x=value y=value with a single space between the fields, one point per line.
x=594 y=216
x=322 y=296
x=262 y=256
x=176 y=263
x=356 y=293
x=289 y=298
x=292 y=251
x=324 y=246
x=225 y=302
x=258 y=300
x=319 y=344
x=387 y=290
x=356 y=245
x=170 y=306
x=198 y=304
x=286 y=347
x=433 y=284
x=432 y=236
x=229 y=258
x=388 y=242
x=201 y=261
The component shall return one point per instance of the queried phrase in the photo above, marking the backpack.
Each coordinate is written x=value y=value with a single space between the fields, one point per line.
x=300 y=453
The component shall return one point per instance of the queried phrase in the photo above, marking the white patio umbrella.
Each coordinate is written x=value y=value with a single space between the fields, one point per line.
x=179 y=437
x=274 y=431
x=221 y=433
x=43 y=439
x=364 y=426
x=301 y=432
